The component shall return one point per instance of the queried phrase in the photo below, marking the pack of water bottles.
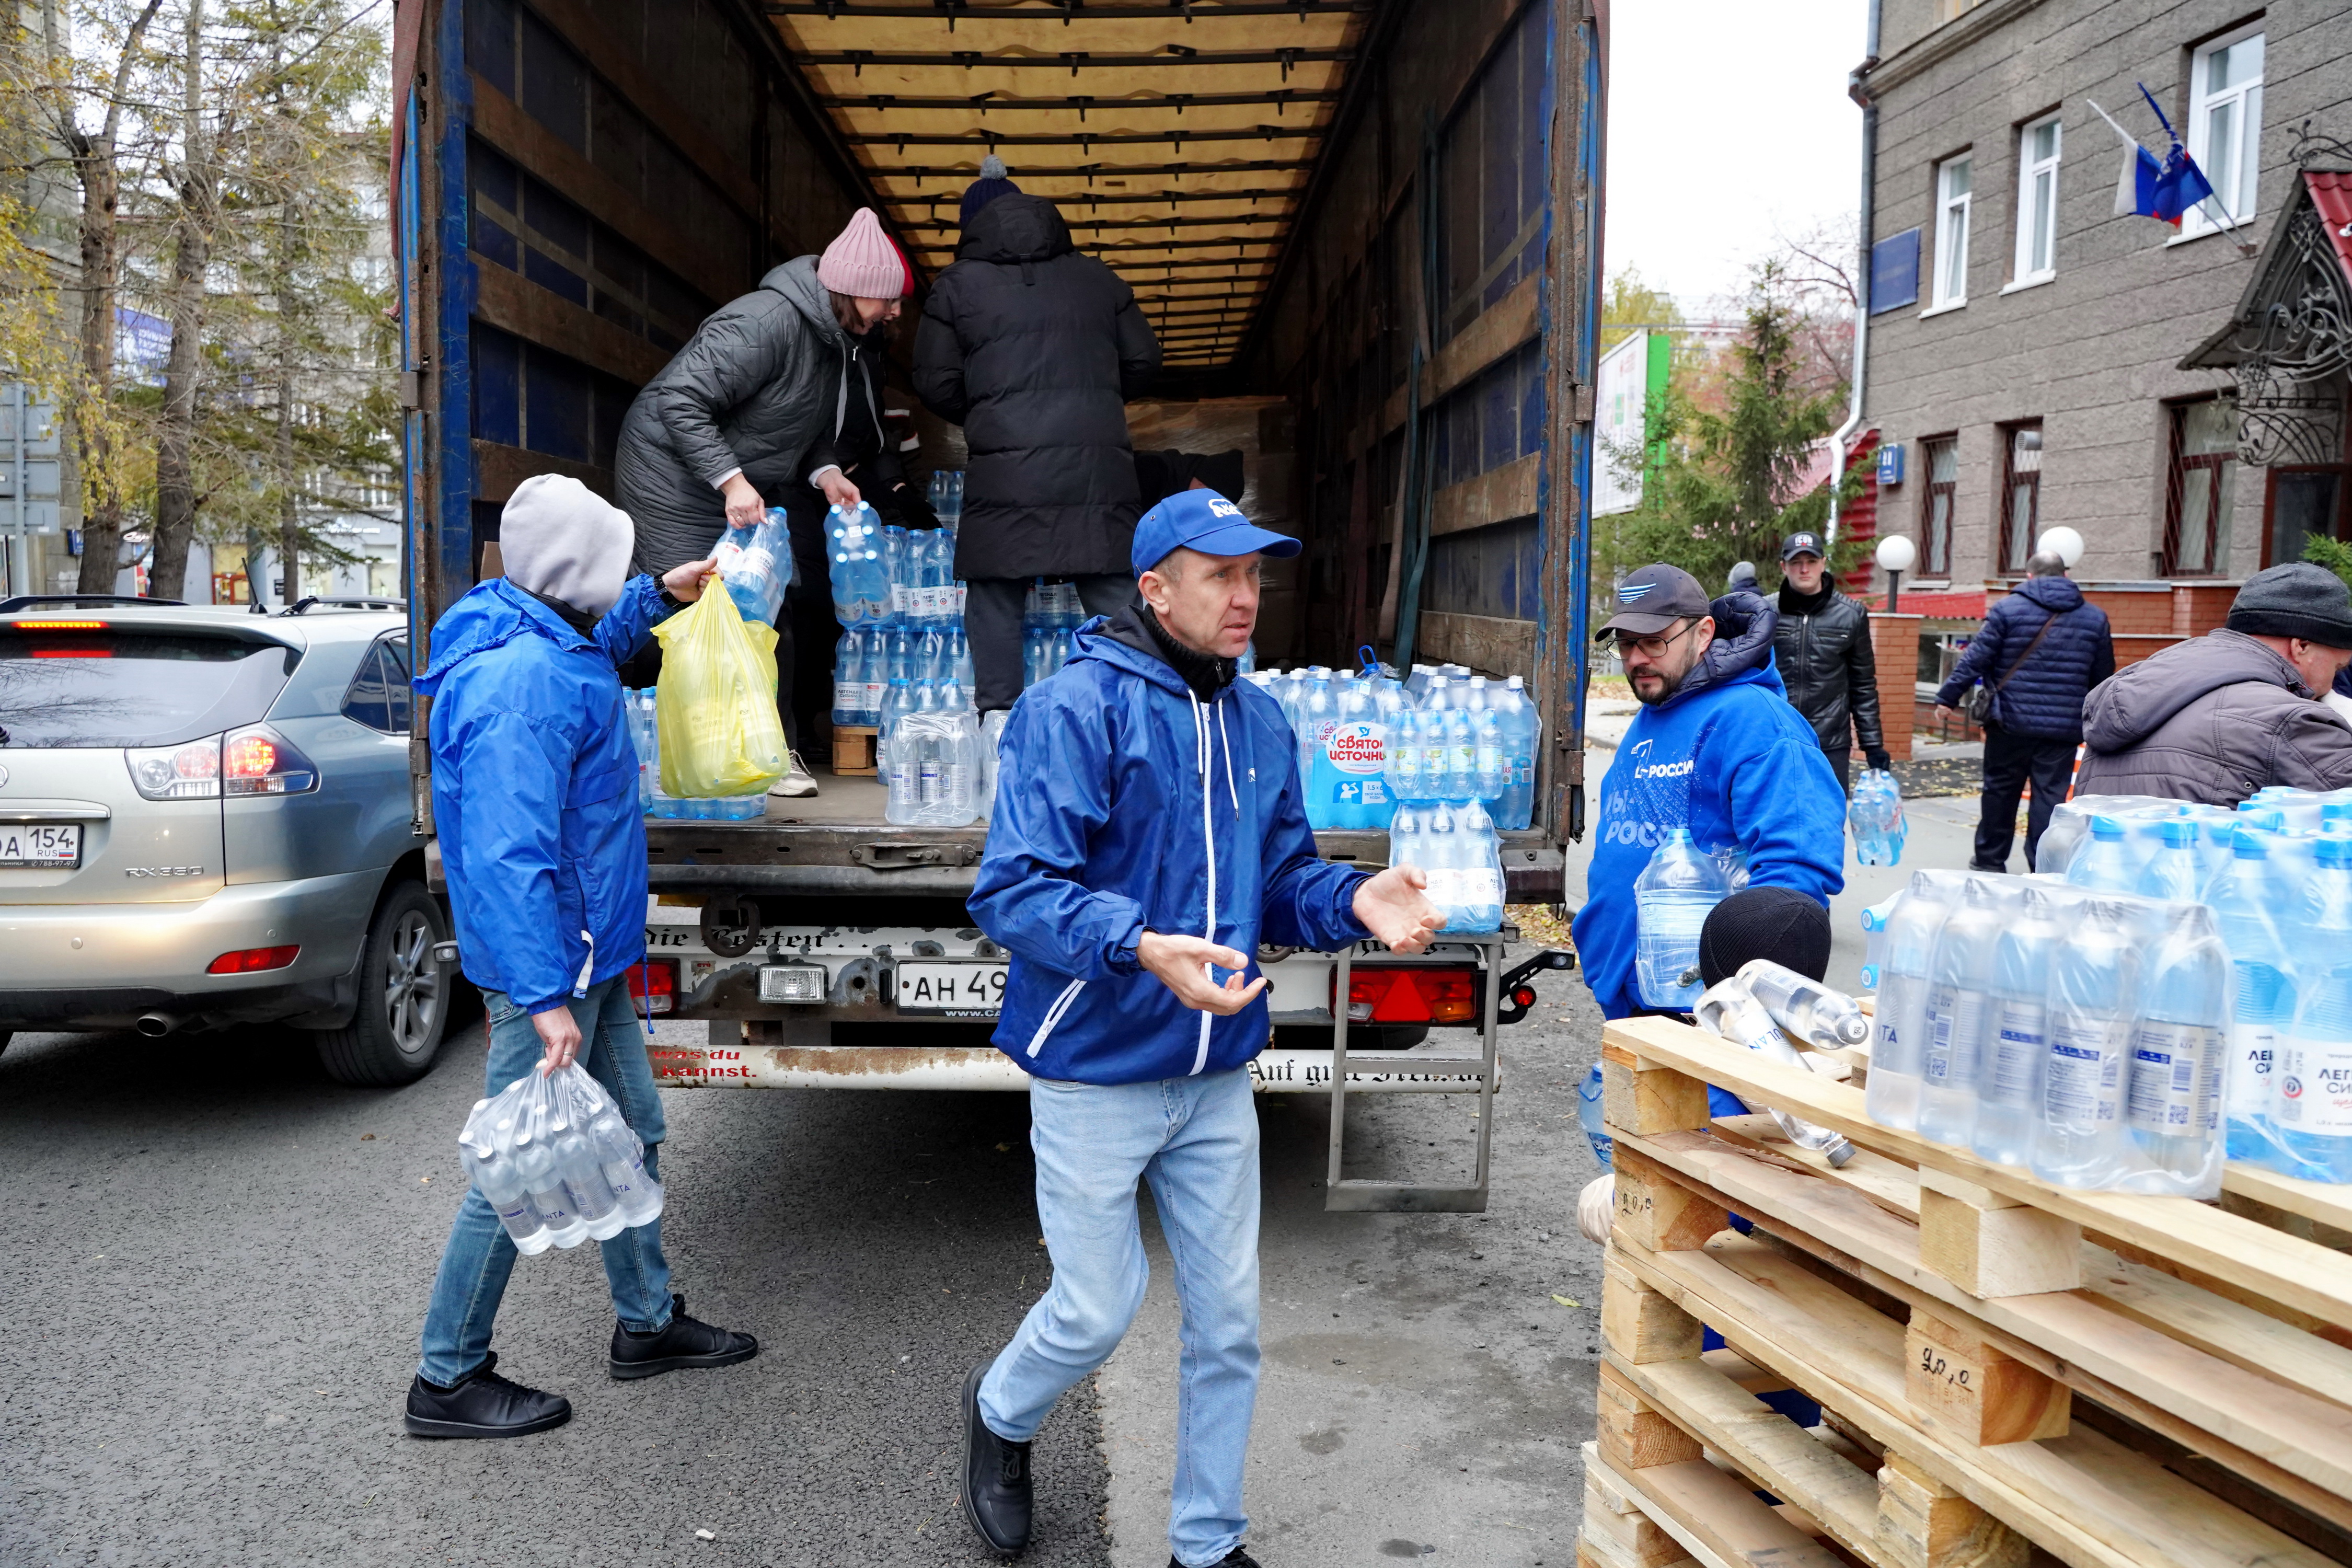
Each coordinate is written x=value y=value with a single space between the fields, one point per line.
x=1050 y=619
x=639 y=707
x=756 y=564
x=1453 y=844
x=553 y=1155
x=1875 y=815
x=1368 y=742
x=2084 y=1032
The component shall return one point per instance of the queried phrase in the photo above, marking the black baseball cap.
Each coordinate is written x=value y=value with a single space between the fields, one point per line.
x=1797 y=544
x=1653 y=598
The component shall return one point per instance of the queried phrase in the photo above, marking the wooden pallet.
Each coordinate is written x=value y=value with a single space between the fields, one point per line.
x=2003 y=1367
x=854 y=748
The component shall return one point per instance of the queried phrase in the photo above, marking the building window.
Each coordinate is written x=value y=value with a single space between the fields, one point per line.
x=1940 y=455
x=2303 y=503
x=2037 y=201
x=1951 y=233
x=2203 y=476
x=2020 y=494
x=2225 y=127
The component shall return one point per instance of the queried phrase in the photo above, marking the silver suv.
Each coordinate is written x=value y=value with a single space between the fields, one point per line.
x=205 y=820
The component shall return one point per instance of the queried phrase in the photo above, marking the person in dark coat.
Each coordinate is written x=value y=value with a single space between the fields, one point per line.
x=1822 y=648
x=2037 y=701
x=1035 y=349
x=735 y=416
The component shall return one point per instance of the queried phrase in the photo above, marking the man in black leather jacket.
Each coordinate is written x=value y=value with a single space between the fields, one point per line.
x=1822 y=650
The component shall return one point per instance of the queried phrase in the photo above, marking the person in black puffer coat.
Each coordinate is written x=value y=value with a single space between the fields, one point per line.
x=2037 y=702
x=1035 y=349
x=1822 y=649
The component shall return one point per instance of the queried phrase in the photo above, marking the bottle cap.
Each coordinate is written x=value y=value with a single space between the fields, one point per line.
x=2334 y=850
x=2180 y=831
x=2107 y=828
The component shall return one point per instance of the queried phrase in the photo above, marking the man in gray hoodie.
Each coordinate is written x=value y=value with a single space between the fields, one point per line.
x=2218 y=717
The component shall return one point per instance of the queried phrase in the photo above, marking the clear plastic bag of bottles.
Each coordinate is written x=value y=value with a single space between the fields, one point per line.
x=553 y=1155
x=1875 y=815
x=756 y=564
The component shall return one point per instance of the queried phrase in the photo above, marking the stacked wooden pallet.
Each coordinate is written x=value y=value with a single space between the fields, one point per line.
x=2005 y=1370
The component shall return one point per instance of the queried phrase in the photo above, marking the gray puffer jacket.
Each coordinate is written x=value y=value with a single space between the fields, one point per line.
x=761 y=379
x=2213 y=719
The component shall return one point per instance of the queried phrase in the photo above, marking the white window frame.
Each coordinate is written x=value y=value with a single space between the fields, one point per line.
x=2032 y=206
x=2246 y=98
x=1952 y=210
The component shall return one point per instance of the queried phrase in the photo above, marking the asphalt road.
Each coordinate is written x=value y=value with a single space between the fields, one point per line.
x=221 y=1261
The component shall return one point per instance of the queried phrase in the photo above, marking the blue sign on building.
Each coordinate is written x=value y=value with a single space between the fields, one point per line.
x=1895 y=271
x=1890 y=463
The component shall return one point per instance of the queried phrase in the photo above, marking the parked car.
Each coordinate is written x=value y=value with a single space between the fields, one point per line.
x=205 y=820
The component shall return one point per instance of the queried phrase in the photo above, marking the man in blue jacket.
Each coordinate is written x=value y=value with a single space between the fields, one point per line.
x=1149 y=834
x=535 y=802
x=2040 y=651
x=1716 y=749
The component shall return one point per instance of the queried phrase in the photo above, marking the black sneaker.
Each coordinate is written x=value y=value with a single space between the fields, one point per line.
x=684 y=1342
x=996 y=1493
x=482 y=1405
x=1238 y=1557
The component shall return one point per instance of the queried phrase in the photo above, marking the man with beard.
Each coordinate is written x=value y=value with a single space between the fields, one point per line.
x=1717 y=749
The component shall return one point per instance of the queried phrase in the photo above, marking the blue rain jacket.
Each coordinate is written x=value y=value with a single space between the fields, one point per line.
x=1730 y=759
x=1125 y=804
x=535 y=790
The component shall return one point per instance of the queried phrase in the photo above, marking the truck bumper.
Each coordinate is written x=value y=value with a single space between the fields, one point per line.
x=984 y=1068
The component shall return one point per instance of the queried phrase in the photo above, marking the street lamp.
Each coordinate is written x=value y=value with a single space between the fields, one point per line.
x=2062 y=541
x=1895 y=554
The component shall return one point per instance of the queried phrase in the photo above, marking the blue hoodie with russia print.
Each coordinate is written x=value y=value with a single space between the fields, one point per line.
x=1730 y=759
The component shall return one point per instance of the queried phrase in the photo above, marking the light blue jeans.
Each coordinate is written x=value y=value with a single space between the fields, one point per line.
x=1195 y=1141
x=480 y=1255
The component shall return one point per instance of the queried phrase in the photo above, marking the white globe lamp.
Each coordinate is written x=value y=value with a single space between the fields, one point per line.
x=1895 y=554
x=2064 y=543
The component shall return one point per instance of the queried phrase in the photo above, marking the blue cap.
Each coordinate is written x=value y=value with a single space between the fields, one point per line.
x=2105 y=827
x=2179 y=831
x=1204 y=521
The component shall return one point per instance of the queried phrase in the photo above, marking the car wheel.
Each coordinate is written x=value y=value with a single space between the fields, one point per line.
x=404 y=1006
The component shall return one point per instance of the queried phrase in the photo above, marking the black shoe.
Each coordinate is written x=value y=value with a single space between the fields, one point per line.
x=996 y=1491
x=1238 y=1557
x=684 y=1342
x=482 y=1405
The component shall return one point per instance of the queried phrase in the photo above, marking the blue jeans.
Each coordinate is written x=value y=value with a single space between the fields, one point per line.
x=480 y=1255
x=1195 y=1141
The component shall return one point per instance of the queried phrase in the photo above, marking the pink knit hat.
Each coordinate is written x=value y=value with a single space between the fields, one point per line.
x=862 y=262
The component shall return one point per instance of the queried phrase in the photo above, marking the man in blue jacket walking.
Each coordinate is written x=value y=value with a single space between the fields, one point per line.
x=535 y=802
x=1716 y=749
x=2040 y=651
x=1149 y=834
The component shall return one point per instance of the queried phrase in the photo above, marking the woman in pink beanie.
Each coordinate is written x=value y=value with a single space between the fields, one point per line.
x=774 y=402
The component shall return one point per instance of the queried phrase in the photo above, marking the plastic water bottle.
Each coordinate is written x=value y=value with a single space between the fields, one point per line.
x=1490 y=751
x=584 y=1178
x=621 y=1158
x=959 y=656
x=1461 y=747
x=1406 y=846
x=496 y=1177
x=1317 y=712
x=2254 y=910
x=1523 y=729
x=2093 y=987
x=535 y=1163
x=2180 y=1046
x=1591 y=1116
x=2311 y=1100
x=1478 y=871
x=956 y=801
x=1404 y=780
x=930 y=657
x=2174 y=872
x=1442 y=859
x=1959 y=986
x=992 y=737
x=1247 y=663
x=2105 y=864
x=849 y=678
x=1729 y=1009
x=1672 y=898
x=748 y=563
x=1386 y=702
x=1804 y=1008
x=848 y=546
x=2017 y=1035
x=898 y=773
x=1416 y=685
x=1352 y=765
x=1875 y=815
x=1900 y=1023
x=898 y=655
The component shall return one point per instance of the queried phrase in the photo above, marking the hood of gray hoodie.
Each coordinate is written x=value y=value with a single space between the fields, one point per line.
x=2136 y=702
x=796 y=281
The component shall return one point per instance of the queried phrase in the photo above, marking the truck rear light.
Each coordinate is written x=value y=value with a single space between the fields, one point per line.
x=1418 y=994
x=252 y=960
x=257 y=760
x=653 y=986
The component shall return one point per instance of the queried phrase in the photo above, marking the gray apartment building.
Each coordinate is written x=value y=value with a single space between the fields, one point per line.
x=2034 y=359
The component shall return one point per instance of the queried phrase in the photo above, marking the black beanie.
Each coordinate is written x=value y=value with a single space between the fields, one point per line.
x=1777 y=923
x=2296 y=600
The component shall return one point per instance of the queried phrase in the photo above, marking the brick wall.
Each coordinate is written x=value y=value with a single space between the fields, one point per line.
x=1895 y=643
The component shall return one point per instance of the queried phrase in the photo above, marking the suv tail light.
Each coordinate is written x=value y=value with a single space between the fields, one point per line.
x=190 y=772
x=653 y=986
x=257 y=760
x=1415 y=993
x=252 y=960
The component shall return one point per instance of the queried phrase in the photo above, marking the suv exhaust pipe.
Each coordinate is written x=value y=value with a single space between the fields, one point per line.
x=155 y=1026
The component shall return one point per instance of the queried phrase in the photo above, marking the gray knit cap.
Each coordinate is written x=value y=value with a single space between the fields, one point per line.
x=2296 y=600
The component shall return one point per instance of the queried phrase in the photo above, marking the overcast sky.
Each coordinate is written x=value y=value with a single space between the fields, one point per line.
x=1728 y=127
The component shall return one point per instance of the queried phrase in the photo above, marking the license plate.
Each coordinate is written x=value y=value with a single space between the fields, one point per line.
x=52 y=846
x=956 y=990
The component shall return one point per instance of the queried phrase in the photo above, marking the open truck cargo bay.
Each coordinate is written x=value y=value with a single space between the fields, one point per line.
x=1365 y=230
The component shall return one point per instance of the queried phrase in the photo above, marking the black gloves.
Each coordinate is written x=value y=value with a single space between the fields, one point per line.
x=1880 y=761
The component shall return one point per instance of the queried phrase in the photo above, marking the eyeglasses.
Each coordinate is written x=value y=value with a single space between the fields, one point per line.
x=1650 y=647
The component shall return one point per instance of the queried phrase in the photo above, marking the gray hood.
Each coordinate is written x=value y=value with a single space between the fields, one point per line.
x=2138 y=702
x=796 y=281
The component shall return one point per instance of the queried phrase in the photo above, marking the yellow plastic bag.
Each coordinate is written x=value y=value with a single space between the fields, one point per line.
x=717 y=702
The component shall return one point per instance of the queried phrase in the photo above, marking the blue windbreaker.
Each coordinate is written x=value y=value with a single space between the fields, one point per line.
x=1125 y=804
x=535 y=790
x=1730 y=759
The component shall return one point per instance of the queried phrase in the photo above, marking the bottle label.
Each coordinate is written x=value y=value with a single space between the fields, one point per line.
x=553 y=1207
x=1376 y=792
x=1490 y=762
x=2254 y=1048
x=517 y=1216
x=1406 y=764
x=1901 y=1002
x=1358 y=748
x=2315 y=1085
x=901 y=599
x=933 y=781
x=875 y=692
x=849 y=696
x=2086 y=1066
x=1479 y=885
x=1955 y=1023
x=1463 y=759
x=2017 y=1046
x=2176 y=1072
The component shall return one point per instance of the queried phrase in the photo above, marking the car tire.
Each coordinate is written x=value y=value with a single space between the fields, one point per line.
x=404 y=992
